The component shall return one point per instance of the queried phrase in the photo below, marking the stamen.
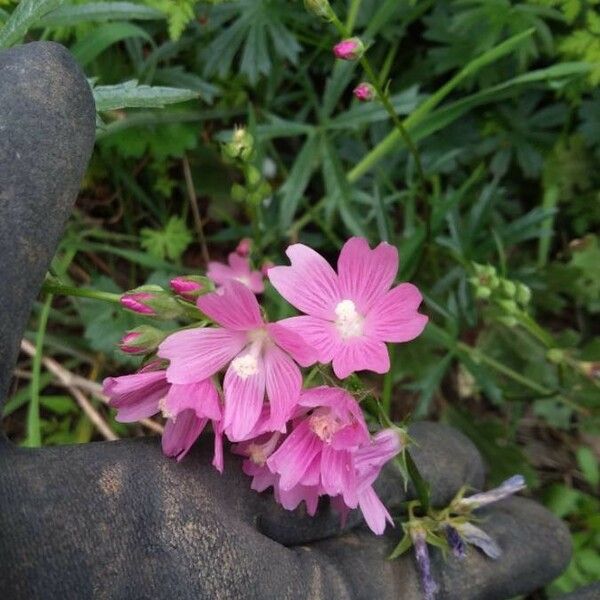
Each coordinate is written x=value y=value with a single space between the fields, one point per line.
x=324 y=424
x=245 y=366
x=349 y=321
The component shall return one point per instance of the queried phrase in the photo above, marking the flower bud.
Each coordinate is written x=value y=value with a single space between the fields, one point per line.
x=244 y=247
x=364 y=92
x=508 y=288
x=555 y=355
x=238 y=192
x=241 y=145
x=456 y=543
x=429 y=586
x=508 y=306
x=153 y=301
x=482 y=292
x=321 y=8
x=141 y=340
x=190 y=287
x=523 y=294
x=350 y=49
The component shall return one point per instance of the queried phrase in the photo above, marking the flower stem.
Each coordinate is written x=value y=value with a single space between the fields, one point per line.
x=52 y=286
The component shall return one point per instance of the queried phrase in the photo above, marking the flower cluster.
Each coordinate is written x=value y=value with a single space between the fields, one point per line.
x=243 y=374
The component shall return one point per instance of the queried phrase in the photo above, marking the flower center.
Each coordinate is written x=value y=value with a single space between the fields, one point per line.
x=162 y=406
x=349 y=322
x=259 y=453
x=324 y=424
x=245 y=366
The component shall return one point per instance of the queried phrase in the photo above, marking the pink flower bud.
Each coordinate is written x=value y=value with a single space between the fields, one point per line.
x=127 y=343
x=243 y=248
x=188 y=287
x=135 y=302
x=364 y=92
x=350 y=49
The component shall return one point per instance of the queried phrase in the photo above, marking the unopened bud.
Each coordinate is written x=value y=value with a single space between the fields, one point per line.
x=190 y=287
x=508 y=306
x=244 y=247
x=241 y=144
x=152 y=300
x=350 y=49
x=555 y=355
x=238 y=192
x=141 y=340
x=523 y=294
x=508 y=288
x=321 y=8
x=364 y=92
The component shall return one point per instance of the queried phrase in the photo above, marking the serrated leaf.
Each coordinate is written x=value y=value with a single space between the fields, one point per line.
x=170 y=242
x=133 y=95
x=588 y=464
x=25 y=16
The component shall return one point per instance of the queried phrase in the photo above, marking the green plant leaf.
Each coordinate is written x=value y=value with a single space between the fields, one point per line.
x=67 y=16
x=26 y=15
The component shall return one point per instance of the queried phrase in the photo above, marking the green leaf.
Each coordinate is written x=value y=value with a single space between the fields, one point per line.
x=588 y=463
x=25 y=16
x=59 y=405
x=102 y=37
x=404 y=545
x=130 y=94
x=99 y=11
x=170 y=242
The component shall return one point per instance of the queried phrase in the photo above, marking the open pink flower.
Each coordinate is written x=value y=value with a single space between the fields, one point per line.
x=350 y=315
x=259 y=356
x=319 y=450
x=187 y=408
x=238 y=269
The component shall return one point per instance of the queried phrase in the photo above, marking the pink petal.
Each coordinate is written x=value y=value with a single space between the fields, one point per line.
x=181 y=433
x=196 y=354
x=201 y=397
x=293 y=458
x=240 y=265
x=290 y=499
x=219 y=273
x=233 y=307
x=218 y=448
x=244 y=399
x=136 y=396
x=364 y=274
x=256 y=282
x=310 y=284
x=338 y=475
x=324 y=395
x=293 y=343
x=373 y=510
x=394 y=317
x=360 y=354
x=318 y=334
x=284 y=381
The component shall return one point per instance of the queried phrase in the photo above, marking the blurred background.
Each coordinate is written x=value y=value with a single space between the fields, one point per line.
x=496 y=216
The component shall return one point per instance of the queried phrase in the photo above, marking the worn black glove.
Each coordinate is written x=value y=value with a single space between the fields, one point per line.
x=118 y=519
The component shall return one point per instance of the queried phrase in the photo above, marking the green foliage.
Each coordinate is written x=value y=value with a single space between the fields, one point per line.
x=178 y=12
x=170 y=242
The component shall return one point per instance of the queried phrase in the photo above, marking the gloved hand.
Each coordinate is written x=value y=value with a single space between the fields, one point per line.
x=118 y=519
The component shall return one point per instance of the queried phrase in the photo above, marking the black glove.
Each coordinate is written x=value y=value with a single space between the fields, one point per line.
x=118 y=519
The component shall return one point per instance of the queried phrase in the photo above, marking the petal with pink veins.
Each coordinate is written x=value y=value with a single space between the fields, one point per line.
x=219 y=273
x=374 y=512
x=196 y=354
x=292 y=342
x=338 y=475
x=181 y=433
x=292 y=459
x=364 y=274
x=394 y=317
x=283 y=381
x=318 y=334
x=234 y=306
x=244 y=390
x=361 y=354
x=201 y=397
x=310 y=284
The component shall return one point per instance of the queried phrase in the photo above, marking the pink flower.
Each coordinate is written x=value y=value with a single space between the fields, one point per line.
x=350 y=49
x=187 y=408
x=237 y=270
x=257 y=451
x=319 y=450
x=136 y=302
x=258 y=355
x=364 y=92
x=350 y=315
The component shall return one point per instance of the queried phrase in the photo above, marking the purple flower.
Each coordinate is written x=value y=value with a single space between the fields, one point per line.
x=430 y=587
x=506 y=488
x=456 y=543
